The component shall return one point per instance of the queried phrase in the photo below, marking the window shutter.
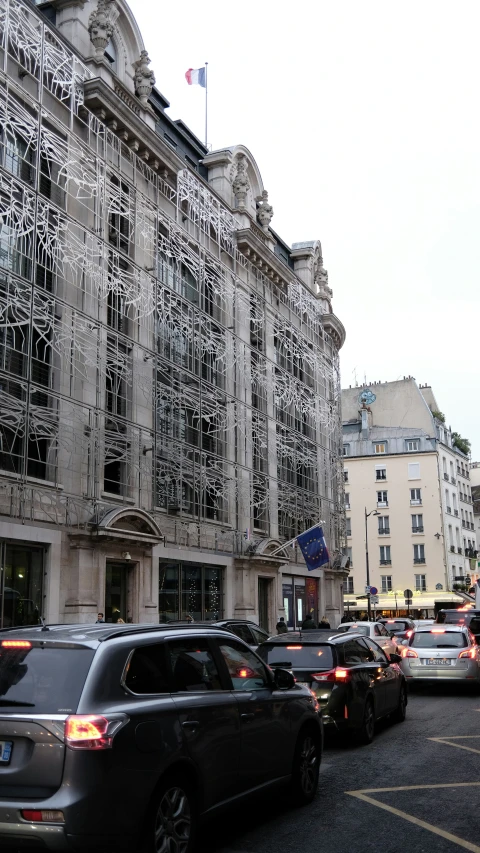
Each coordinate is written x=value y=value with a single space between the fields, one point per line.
x=414 y=470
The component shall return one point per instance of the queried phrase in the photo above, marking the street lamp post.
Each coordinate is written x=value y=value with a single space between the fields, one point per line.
x=367 y=515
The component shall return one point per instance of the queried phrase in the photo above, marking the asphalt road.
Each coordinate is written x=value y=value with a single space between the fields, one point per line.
x=427 y=818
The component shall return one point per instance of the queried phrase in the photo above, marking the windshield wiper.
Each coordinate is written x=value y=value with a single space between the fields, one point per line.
x=5 y=702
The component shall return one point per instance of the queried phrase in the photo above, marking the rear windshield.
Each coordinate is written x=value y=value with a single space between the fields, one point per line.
x=43 y=680
x=357 y=629
x=452 y=617
x=297 y=655
x=396 y=626
x=448 y=640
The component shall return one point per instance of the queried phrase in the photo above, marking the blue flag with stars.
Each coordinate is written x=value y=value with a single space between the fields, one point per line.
x=314 y=548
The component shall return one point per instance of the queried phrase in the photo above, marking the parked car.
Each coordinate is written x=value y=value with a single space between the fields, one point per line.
x=353 y=679
x=148 y=728
x=444 y=653
x=375 y=630
x=400 y=628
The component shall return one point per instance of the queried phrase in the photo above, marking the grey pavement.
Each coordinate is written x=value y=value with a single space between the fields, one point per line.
x=434 y=820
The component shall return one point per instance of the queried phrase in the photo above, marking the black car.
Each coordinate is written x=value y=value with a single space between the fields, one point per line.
x=112 y=735
x=248 y=631
x=401 y=628
x=470 y=618
x=354 y=681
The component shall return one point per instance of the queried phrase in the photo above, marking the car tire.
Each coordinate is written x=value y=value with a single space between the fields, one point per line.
x=306 y=767
x=366 y=731
x=172 y=822
x=400 y=713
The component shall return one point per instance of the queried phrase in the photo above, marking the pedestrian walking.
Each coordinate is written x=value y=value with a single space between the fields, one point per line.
x=308 y=623
x=324 y=623
x=100 y=618
x=281 y=626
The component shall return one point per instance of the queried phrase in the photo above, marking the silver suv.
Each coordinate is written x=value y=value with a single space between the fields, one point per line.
x=124 y=737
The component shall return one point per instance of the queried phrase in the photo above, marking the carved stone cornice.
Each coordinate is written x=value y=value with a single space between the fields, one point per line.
x=335 y=328
x=252 y=243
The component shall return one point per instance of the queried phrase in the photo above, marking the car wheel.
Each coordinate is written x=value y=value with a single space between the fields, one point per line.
x=172 y=825
x=367 y=730
x=401 y=712
x=306 y=768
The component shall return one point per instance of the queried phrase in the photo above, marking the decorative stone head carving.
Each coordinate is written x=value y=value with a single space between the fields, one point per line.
x=144 y=77
x=100 y=27
x=241 y=184
x=264 y=211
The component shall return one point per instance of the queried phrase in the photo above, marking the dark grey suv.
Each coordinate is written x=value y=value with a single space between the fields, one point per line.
x=123 y=737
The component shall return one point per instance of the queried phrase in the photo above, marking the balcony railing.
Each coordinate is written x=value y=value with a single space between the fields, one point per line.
x=459 y=549
x=455 y=512
x=452 y=548
x=453 y=480
x=449 y=510
x=415 y=502
x=384 y=531
x=418 y=529
x=419 y=560
x=385 y=562
x=382 y=503
x=445 y=476
x=381 y=475
x=420 y=589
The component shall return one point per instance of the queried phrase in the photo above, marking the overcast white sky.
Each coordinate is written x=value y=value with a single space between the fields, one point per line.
x=364 y=121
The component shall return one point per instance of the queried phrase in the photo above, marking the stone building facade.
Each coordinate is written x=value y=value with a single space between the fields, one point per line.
x=401 y=463
x=170 y=396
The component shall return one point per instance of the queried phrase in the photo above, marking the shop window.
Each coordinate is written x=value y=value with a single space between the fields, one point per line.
x=190 y=590
x=21 y=592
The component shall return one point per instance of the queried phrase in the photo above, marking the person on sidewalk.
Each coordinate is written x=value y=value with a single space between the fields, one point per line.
x=281 y=626
x=308 y=623
x=324 y=623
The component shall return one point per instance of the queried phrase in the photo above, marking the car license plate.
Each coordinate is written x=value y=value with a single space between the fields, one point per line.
x=304 y=684
x=5 y=751
x=438 y=661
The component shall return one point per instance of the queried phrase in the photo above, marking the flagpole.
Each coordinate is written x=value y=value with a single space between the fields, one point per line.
x=206 y=105
x=290 y=541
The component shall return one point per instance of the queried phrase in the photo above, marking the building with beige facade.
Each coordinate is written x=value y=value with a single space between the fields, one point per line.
x=402 y=469
x=169 y=366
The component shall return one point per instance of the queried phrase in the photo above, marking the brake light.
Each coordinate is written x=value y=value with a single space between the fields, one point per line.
x=294 y=647
x=390 y=621
x=43 y=816
x=16 y=644
x=409 y=633
x=471 y=653
x=437 y=631
x=87 y=731
x=337 y=674
x=409 y=653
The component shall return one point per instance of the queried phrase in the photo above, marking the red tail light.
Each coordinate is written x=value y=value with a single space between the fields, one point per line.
x=16 y=644
x=87 y=731
x=409 y=633
x=337 y=674
x=470 y=653
x=43 y=816
x=409 y=653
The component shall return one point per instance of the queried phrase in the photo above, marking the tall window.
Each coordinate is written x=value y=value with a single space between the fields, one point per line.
x=419 y=553
x=348 y=588
x=382 y=498
x=380 y=472
x=386 y=581
x=420 y=583
x=345 y=476
x=385 y=555
x=347 y=500
x=346 y=450
x=415 y=497
x=191 y=589
x=384 y=525
x=348 y=526
x=348 y=553
x=417 y=523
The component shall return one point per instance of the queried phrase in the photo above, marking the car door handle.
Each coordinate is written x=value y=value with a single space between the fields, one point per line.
x=191 y=724
x=247 y=717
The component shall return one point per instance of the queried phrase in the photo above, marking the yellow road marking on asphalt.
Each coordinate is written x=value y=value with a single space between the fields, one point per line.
x=448 y=738
x=362 y=795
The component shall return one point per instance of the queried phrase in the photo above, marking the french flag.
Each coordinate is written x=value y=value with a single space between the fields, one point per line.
x=196 y=76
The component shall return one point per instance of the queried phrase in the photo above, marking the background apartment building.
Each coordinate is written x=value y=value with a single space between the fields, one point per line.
x=170 y=396
x=402 y=467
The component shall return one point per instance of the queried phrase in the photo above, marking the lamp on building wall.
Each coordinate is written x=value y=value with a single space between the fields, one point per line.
x=126 y=556
x=437 y=535
x=367 y=515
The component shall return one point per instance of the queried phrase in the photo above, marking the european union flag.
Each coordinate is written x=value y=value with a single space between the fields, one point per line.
x=314 y=548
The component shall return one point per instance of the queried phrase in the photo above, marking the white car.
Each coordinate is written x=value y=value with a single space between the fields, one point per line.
x=375 y=630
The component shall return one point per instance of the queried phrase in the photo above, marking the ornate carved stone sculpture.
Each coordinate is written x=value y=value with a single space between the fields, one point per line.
x=264 y=211
x=144 y=77
x=100 y=27
x=241 y=184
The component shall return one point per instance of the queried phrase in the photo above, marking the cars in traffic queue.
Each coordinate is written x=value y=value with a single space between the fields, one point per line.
x=375 y=630
x=353 y=679
x=400 y=629
x=148 y=729
x=441 y=653
x=467 y=616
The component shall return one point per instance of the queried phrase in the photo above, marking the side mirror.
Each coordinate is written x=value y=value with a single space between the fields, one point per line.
x=284 y=680
x=395 y=658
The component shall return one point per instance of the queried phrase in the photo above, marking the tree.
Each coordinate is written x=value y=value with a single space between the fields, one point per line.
x=439 y=416
x=463 y=444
